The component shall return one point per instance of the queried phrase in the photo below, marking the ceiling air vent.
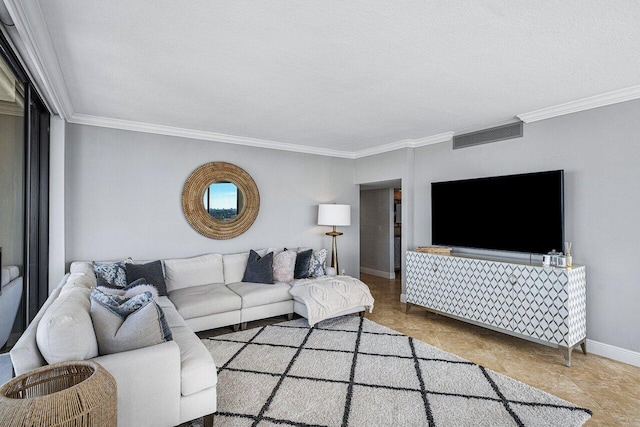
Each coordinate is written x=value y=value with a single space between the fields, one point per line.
x=485 y=136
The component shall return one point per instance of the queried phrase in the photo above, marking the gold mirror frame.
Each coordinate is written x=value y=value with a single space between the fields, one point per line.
x=197 y=215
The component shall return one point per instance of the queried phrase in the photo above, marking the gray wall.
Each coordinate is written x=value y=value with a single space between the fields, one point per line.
x=376 y=231
x=599 y=150
x=392 y=166
x=123 y=197
x=12 y=189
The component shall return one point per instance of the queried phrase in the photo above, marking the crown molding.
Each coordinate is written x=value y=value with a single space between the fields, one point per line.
x=588 y=103
x=106 y=122
x=405 y=143
x=41 y=58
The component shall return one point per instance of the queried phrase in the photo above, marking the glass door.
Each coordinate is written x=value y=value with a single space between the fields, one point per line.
x=12 y=202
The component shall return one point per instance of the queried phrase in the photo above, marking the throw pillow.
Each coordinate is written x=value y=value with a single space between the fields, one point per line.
x=303 y=259
x=284 y=265
x=259 y=269
x=123 y=324
x=132 y=289
x=113 y=274
x=317 y=263
x=151 y=272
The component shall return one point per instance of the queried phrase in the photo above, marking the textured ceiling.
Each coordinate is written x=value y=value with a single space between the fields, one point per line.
x=342 y=75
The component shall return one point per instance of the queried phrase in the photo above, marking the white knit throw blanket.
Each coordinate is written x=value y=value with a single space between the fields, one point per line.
x=325 y=296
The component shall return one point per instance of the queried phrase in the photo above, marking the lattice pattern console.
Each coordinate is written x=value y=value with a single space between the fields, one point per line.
x=541 y=304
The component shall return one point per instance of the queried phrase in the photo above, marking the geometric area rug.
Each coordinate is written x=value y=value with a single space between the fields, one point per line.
x=350 y=371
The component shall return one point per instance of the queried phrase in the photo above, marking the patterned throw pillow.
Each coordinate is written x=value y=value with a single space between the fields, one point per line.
x=317 y=263
x=284 y=265
x=112 y=274
x=123 y=324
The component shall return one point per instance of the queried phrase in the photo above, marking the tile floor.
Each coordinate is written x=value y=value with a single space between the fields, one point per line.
x=610 y=389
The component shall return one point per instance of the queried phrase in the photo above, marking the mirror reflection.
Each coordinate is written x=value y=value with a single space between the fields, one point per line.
x=223 y=200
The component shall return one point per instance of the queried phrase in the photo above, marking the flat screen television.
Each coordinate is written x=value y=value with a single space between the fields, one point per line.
x=518 y=213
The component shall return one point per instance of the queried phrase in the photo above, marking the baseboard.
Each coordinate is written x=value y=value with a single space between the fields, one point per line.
x=613 y=352
x=403 y=297
x=378 y=273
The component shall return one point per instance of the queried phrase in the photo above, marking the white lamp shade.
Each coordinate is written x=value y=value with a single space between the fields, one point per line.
x=339 y=215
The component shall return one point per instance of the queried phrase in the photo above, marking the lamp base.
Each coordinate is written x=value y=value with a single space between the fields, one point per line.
x=334 y=249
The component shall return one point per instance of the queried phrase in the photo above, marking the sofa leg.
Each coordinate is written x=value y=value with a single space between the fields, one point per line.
x=208 y=420
x=236 y=327
x=243 y=326
x=290 y=316
x=361 y=314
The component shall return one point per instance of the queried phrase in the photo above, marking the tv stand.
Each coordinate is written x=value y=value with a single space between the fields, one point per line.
x=546 y=305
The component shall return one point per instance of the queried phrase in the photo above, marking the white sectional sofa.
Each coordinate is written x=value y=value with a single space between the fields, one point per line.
x=10 y=295
x=173 y=382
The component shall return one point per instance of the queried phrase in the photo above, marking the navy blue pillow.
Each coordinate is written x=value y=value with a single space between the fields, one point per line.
x=303 y=259
x=259 y=269
x=151 y=272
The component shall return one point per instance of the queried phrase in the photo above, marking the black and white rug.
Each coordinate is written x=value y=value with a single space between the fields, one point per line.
x=351 y=371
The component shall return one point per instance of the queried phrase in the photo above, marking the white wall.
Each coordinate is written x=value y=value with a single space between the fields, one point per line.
x=123 y=197
x=56 y=201
x=599 y=150
x=376 y=232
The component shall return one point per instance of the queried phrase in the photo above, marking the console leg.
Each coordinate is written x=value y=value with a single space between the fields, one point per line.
x=243 y=326
x=236 y=327
x=208 y=420
x=290 y=316
x=583 y=345
x=566 y=352
x=407 y=307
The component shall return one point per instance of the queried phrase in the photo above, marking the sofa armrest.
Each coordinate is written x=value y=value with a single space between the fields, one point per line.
x=148 y=384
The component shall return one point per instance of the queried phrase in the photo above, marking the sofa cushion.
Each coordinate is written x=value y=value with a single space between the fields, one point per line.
x=65 y=331
x=186 y=272
x=151 y=272
x=234 y=266
x=255 y=294
x=198 y=301
x=197 y=368
x=80 y=280
x=123 y=324
x=171 y=314
x=9 y=273
x=259 y=268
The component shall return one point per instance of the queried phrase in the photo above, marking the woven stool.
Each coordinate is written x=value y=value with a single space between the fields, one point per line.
x=78 y=393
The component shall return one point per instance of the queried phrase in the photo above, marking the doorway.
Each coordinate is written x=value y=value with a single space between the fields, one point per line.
x=381 y=229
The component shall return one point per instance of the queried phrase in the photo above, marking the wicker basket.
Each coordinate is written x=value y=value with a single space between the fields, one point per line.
x=78 y=393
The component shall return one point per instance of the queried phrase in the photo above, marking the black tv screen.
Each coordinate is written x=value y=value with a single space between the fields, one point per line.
x=519 y=213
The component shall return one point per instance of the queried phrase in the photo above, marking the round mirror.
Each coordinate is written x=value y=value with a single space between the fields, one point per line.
x=220 y=200
x=223 y=200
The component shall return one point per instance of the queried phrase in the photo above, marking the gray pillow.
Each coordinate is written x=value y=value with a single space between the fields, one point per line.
x=259 y=269
x=303 y=259
x=123 y=324
x=151 y=272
